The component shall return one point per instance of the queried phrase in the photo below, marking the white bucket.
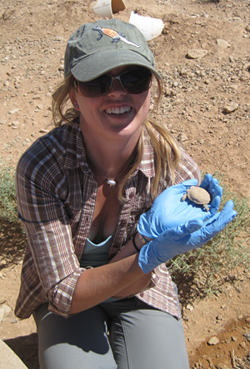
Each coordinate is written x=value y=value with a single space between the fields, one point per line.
x=106 y=8
x=149 y=27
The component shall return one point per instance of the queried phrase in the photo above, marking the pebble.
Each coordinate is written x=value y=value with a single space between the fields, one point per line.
x=213 y=341
x=1 y=315
x=182 y=138
x=13 y=111
x=230 y=108
x=4 y=310
x=221 y=366
x=196 y=53
x=247 y=335
x=223 y=43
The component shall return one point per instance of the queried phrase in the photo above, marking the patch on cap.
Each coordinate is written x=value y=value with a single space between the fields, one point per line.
x=114 y=35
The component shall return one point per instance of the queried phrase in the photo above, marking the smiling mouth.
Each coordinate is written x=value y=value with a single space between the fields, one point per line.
x=121 y=110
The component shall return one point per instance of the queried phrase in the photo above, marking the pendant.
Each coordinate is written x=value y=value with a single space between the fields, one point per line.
x=111 y=182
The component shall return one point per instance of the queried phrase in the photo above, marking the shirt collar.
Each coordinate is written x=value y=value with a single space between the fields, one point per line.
x=75 y=156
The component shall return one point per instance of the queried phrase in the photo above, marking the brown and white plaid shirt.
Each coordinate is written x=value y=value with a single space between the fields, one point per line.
x=56 y=194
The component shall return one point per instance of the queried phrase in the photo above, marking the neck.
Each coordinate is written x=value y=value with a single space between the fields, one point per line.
x=111 y=158
x=110 y=166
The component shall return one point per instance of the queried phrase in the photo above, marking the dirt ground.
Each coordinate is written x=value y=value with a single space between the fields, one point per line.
x=206 y=106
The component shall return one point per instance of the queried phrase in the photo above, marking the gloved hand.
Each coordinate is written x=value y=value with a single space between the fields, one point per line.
x=184 y=238
x=168 y=211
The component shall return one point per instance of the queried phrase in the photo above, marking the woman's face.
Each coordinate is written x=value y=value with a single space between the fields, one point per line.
x=116 y=115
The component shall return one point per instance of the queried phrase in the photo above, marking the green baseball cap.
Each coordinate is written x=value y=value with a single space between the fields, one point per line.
x=95 y=48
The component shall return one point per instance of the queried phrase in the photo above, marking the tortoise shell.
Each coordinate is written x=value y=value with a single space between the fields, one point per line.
x=198 y=195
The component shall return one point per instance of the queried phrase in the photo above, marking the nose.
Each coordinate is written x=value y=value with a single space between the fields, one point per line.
x=116 y=87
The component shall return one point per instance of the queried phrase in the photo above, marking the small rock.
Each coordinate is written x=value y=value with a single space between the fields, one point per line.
x=59 y=38
x=230 y=108
x=234 y=338
x=247 y=320
x=36 y=97
x=219 y=317
x=42 y=130
x=13 y=111
x=247 y=335
x=1 y=314
x=213 y=341
x=6 y=309
x=223 y=43
x=189 y=307
x=196 y=53
x=243 y=345
x=182 y=138
x=247 y=28
x=221 y=366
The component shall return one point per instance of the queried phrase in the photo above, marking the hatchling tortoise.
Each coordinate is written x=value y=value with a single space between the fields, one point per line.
x=198 y=195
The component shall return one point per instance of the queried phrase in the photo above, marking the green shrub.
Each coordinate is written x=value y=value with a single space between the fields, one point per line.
x=7 y=191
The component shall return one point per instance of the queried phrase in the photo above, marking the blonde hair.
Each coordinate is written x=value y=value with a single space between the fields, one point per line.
x=166 y=149
x=60 y=98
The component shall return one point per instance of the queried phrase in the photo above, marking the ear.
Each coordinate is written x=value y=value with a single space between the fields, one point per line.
x=73 y=98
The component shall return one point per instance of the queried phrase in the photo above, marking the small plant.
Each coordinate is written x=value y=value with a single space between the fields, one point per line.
x=8 y=209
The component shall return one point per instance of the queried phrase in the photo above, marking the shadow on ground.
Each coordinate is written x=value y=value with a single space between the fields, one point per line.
x=12 y=242
x=26 y=348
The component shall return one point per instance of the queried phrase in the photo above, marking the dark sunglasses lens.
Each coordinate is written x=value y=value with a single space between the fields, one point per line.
x=97 y=87
x=136 y=81
x=133 y=82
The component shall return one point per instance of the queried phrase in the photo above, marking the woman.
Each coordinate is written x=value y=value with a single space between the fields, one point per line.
x=99 y=290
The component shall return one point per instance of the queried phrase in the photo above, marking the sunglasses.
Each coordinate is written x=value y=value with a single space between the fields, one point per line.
x=134 y=81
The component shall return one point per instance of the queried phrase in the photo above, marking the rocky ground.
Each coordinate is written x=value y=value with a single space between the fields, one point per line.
x=203 y=55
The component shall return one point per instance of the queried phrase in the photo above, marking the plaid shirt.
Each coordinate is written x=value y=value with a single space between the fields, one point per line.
x=56 y=194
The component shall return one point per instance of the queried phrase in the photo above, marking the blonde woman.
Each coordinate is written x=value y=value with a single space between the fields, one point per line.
x=100 y=200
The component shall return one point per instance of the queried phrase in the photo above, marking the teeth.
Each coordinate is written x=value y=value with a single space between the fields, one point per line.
x=121 y=110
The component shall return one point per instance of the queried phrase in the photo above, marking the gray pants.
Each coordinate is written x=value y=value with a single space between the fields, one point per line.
x=140 y=337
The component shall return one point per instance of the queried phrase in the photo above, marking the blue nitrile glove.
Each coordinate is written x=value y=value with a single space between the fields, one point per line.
x=184 y=238
x=168 y=211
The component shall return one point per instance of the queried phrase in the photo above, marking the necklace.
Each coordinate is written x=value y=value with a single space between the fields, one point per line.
x=111 y=182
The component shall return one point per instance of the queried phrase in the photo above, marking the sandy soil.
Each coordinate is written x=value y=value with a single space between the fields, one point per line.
x=205 y=105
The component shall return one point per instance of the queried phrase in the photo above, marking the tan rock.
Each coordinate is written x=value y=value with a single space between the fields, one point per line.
x=213 y=341
x=196 y=53
x=9 y=360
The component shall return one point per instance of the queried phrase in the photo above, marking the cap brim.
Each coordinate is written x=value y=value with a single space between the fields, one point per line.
x=99 y=63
